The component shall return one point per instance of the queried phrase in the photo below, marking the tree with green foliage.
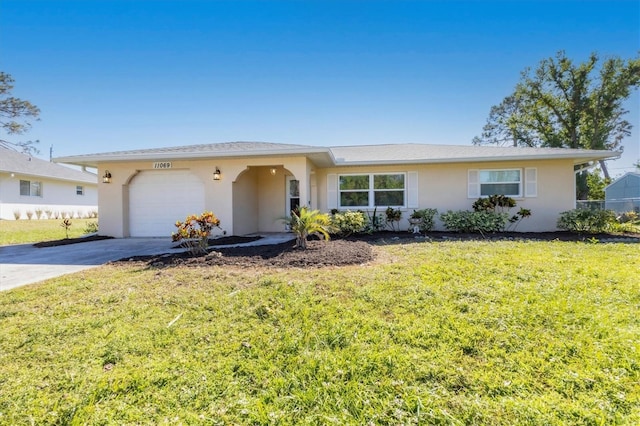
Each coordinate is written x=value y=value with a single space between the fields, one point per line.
x=590 y=185
x=14 y=116
x=561 y=104
x=305 y=222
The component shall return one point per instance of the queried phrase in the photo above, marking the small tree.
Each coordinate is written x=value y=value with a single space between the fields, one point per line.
x=306 y=222
x=194 y=232
x=66 y=224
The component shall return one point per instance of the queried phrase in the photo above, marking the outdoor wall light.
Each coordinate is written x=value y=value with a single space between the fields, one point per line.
x=216 y=174
x=107 y=177
x=273 y=171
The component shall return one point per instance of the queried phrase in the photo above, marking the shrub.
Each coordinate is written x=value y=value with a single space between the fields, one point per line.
x=306 y=222
x=39 y=213
x=392 y=217
x=496 y=203
x=194 y=232
x=29 y=214
x=48 y=212
x=629 y=216
x=375 y=221
x=586 y=221
x=91 y=228
x=347 y=223
x=490 y=214
x=17 y=214
x=56 y=215
x=66 y=224
x=427 y=218
x=467 y=221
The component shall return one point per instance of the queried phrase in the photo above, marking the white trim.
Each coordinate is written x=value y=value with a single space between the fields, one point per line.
x=530 y=182
x=413 y=196
x=473 y=183
x=332 y=191
x=371 y=190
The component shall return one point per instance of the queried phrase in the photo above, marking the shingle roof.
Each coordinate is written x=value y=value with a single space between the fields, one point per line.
x=347 y=155
x=15 y=162
x=423 y=153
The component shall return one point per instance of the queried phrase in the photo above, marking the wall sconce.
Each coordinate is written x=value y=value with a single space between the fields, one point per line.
x=107 y=177
x=273 y=171
x=216 y=174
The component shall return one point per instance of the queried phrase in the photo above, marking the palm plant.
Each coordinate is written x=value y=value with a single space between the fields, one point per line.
x=305 y=222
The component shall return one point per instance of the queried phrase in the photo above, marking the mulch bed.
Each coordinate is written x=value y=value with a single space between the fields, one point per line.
x=68 y=241
x=347 y=251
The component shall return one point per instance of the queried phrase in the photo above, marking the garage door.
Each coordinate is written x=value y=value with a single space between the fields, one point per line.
x=158 y=198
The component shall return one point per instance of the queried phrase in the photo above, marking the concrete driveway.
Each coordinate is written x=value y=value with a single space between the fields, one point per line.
x=26 y=264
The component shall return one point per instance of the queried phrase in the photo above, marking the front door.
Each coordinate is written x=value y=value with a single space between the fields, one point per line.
x=293 y=195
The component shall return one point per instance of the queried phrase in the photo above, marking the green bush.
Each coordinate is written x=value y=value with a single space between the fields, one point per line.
x=587 y=221
x=480 y=221
x=194 y=232
x=349 y=222
x=427 y=216
x=392 y=217
x=91 y=228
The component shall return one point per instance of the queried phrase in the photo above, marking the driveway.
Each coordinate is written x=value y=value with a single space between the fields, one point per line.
x=26 y=264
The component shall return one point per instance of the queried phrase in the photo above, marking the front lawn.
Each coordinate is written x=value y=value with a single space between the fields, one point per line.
x=34 y=231
x=471 y=332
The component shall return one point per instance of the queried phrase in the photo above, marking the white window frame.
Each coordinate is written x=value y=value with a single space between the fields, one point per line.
x=79 y=190
x=32 y=186
x=371 y=190
x=520 y=182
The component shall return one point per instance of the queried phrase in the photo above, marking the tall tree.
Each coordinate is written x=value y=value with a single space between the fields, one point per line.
x=15 y=115
x=565 y=105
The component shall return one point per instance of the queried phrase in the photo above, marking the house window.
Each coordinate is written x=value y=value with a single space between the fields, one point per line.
x=30 y=188
x=79 y=190
x=372 y=190
x=501 y=182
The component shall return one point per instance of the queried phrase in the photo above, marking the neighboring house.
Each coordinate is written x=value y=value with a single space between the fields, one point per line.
x=250 y=186
x=30 y=185
x=623 y=194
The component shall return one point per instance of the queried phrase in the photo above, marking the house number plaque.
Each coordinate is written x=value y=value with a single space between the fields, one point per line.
x=162 y=165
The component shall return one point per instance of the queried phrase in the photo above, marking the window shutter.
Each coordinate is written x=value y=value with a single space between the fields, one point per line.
x=531 y=182
x=332 y=191
x=473 y=184
x=412 y=190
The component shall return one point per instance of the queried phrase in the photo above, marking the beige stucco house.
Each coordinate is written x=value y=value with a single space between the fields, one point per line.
x=250 y=186
x=29 y=185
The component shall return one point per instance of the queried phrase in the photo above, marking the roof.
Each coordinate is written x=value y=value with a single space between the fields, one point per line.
x=346 y=155
x=15 y=162
x=633 y=176
x=423 y=153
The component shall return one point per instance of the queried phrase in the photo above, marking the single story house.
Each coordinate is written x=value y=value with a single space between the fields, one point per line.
x=250 y=186
x=29 y=186
x=623 y=194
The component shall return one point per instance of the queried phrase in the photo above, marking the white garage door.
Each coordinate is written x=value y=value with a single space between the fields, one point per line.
x=159 y=198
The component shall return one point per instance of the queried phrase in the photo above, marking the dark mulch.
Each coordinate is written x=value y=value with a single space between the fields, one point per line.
x=226 y=241
x=68 y=241
x=317 y=254
x=348 y=251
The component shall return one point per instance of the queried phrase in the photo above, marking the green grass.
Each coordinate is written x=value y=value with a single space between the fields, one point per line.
x=35 y=231
x=434 y=333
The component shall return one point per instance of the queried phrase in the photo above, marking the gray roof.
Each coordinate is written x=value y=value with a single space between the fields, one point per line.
x=15 y=162
x=346 y=155
x=423 y=153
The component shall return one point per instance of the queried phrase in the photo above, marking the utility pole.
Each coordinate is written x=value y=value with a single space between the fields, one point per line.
x=51 y=154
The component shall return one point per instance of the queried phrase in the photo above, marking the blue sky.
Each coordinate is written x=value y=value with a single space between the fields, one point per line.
x=117 y=75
